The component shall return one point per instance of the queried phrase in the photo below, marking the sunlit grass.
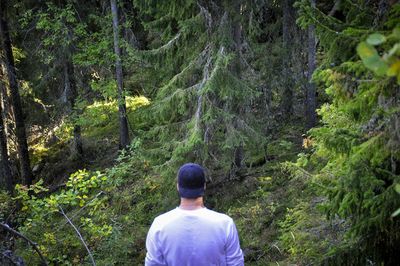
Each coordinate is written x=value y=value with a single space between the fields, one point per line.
x=100 y=119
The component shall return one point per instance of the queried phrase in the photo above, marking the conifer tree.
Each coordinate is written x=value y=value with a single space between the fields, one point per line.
x=310 y=95
x=356 y=140
x=5 y=172
x=200 y=111
x=123 y=121
x=22 y=145
x=287 y=74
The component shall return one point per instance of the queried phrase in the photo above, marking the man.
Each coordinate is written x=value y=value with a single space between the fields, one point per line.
x=192 y=235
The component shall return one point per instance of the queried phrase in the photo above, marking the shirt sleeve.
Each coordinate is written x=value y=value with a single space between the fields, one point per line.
x=234 y=255
x=154 y=255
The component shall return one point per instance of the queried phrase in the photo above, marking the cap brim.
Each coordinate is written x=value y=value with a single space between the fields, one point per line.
x=191 y=193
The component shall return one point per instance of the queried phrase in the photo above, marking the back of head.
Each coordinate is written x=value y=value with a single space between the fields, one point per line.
x=191 y=181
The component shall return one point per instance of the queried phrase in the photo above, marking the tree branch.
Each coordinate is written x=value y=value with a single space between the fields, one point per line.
x=33 y=244
x=79 y=235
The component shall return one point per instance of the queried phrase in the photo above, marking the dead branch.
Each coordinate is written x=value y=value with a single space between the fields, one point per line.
x=79 y=235
x=335 y=8
x=80 y=210
x=33 y=244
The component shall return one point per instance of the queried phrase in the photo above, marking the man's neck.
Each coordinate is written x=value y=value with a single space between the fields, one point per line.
x=191 y=204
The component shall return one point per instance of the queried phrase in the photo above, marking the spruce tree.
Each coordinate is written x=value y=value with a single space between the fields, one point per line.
x=200 y=112
x=356 y=144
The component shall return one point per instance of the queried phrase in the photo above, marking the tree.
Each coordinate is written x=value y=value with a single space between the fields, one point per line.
x=287 y=74
x=61 y=33
x=22 y=145
x=5 y=172
x=357 y=143
x=311 y=105
x=205 y=84
x=71 y=95
x=123 y=121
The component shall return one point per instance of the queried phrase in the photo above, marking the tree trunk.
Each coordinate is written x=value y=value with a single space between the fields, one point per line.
x=5 y=172
x=287 y=21
x=237 y=37
x=8 y=113
x=22 y=145
x=311 y=94
x=71 y=94
x=123 y=122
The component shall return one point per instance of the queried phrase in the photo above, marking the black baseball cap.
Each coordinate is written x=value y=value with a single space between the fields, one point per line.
x=191 y=180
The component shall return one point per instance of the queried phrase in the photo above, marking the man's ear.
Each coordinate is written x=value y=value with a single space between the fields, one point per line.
x=177 y=187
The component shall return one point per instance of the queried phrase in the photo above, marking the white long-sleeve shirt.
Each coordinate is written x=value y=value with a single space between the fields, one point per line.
x=199 y=237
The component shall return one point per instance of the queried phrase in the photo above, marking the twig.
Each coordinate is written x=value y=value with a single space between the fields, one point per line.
x=79 y=235
x=80 y=210
x=33 y=244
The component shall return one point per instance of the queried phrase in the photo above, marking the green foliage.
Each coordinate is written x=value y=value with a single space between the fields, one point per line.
x=86 y=193
x=101 y=118
x=200 y=109
x=213 y=92
x=6 y=205
x=61 y=27
x=389 y=63
x=354 y=152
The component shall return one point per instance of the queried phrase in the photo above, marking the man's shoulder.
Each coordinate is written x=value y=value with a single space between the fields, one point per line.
x=166 y=216
x=217 y=215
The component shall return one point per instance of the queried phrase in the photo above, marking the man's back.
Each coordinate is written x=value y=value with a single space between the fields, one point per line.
x=193 y=238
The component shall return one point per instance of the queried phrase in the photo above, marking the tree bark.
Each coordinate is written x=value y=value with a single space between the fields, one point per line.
x=22 y=145
x=123 y=122
x=5 y=172
x=287 y=21
x=311 y=104
x=8 y=113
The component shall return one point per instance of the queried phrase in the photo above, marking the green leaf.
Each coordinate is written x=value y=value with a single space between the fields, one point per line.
x=393 y=71
x=395 y=50
x=376 y=39
x=371 y=59
x=396 y=33
x=365 y=50
x=397 y=188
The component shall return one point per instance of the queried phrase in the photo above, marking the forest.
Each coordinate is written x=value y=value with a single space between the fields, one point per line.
x=292 y=107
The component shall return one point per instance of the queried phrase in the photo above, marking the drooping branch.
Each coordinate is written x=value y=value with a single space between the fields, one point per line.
x=33 y=244
x=165 y=46
x=79 y=235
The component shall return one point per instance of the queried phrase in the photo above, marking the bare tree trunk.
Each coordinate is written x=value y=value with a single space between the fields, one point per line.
x=71 y=94
x=22 y=145
x=5 y=172
x=287 y=21
x=123 y=122
x=311 y=104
